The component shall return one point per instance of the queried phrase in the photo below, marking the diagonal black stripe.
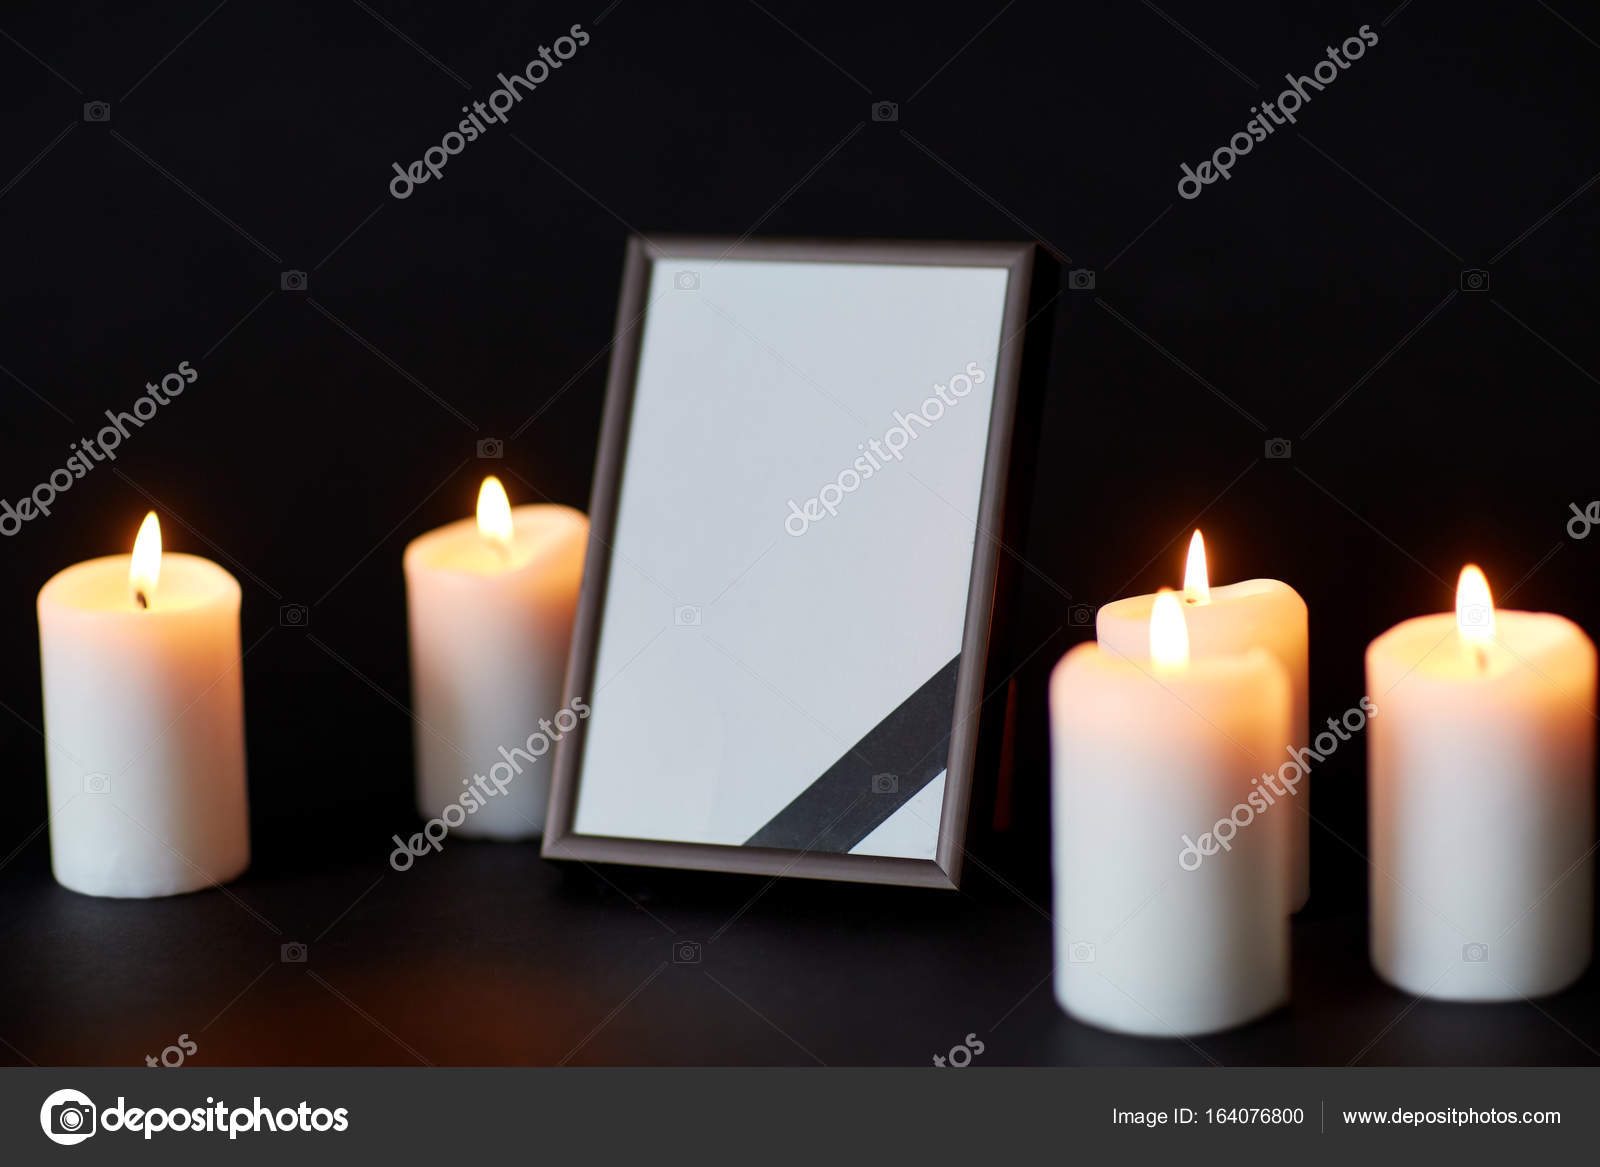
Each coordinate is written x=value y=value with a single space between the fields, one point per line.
x=901 y=746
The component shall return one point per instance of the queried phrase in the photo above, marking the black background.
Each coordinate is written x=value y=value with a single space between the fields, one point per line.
x=1314 y=297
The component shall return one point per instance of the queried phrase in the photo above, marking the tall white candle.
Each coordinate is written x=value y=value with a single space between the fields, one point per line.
x=1482 y=801
x=144 y=723
x=1255 y=613
x=490 y=604
x=1168 y=922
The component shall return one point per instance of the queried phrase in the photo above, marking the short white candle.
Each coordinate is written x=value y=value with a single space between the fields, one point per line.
x=1255 y=613
x=490 y=603
x=1481 y=801
x=144 y=723
x=1149 y=754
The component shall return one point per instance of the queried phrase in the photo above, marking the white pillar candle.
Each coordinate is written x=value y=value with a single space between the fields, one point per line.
x=144 y=723
x=1167 y=921
x=1481 y=801
x=1256 y=613
x=490 y=603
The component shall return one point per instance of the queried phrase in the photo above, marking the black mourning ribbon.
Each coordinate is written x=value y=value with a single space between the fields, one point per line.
x=876 y=777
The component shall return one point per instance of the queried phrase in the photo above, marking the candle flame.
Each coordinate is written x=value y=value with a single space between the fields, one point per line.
x=145 y=567
x=1196 y=581
x=1474 y=606
x=494 y=513
x=1169 y=632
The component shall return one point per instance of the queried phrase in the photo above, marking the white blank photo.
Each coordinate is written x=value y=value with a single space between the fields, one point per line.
x=792 y=554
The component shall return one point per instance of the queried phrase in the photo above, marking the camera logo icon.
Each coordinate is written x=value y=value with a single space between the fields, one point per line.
x=1475 y=953
x=294 y=616
x=885 y=111
x=67 y=1117
x=1474 y=279
x=293 y=953
x=1278 y=448
x=1081 y=953
x=686 y=616
x=292 y=281
x=97 y=111
x=491 y=448
x=686 y=281
x=885 y=783
x=97 y=783
x=686 y=952
x=1082 y=615
x=1476 y=616
x=1081 y=279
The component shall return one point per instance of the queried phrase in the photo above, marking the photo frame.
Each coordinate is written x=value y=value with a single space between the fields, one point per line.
x=799 y=555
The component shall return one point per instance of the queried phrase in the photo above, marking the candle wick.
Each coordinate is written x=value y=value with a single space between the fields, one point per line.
x=1483 y=657
x=140 y=599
